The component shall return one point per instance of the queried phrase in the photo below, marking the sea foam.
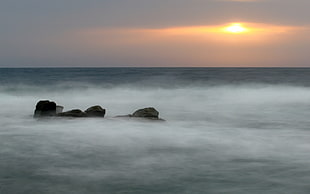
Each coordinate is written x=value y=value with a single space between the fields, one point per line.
x=248 y=138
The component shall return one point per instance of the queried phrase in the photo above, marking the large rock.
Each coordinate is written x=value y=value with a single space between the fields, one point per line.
x=45 y=108
x=73 y=113
x=95 y=111
x=149 y=112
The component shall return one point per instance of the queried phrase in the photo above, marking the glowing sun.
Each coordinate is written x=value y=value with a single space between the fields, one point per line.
x=235 y=28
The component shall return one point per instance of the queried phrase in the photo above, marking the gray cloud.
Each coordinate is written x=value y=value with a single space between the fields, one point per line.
x=26 y=25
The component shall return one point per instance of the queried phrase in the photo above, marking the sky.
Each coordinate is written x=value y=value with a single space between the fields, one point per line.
x=154 y=33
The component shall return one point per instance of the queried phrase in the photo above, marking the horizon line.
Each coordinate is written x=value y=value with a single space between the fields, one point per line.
x=93 y=67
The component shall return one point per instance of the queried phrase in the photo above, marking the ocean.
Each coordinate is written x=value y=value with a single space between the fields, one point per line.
x=227 y=130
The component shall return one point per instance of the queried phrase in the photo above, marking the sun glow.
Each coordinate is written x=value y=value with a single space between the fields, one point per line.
x=235 y=28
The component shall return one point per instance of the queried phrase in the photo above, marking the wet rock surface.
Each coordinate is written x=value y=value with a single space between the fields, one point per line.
x=72 y=113
x=95 y=111
x=149 y=112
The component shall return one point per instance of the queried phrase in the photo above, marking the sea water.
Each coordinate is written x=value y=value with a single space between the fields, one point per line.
x=227 y=130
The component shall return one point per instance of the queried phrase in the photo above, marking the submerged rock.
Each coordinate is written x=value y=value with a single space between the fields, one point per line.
x=123 y=116
x=95 y=111
x=72 y=113
x=45 y=108
x=149 y=112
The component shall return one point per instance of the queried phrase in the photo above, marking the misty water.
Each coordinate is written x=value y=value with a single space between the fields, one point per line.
x=226 y=131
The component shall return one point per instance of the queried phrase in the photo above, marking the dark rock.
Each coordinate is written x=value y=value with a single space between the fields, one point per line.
x=95 y=111
x=45 y=108
x=139 y=118
x=123 y=116
x=149 y=112
x=73 y=113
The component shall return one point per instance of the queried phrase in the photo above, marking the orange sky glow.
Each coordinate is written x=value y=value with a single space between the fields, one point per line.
x=195 y=45
x=252 y=29
x=241 y=32
x=209 y=33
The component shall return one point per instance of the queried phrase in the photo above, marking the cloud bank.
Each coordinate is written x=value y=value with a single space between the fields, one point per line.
x=153 y=33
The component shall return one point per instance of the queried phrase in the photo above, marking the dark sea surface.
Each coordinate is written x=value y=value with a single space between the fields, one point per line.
x=227 y=130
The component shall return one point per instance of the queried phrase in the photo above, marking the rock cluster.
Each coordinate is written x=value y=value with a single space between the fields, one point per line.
x=46 y=108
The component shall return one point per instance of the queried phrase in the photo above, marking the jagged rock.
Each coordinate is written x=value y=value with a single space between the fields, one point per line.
x=73 y=113
x=95 y=111
x=149 y=112
x=45 y=108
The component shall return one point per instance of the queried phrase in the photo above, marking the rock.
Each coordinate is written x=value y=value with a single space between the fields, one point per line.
x=144 y=113
x=72 y=113
x=150 y=113
x=45 y=108
x=95 y=111
x=123 y=116
x=59 y=109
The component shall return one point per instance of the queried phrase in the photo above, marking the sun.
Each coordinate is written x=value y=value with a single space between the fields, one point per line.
x=235 y=28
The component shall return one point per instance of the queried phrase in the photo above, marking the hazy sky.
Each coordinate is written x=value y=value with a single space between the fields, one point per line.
x=110 y=33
